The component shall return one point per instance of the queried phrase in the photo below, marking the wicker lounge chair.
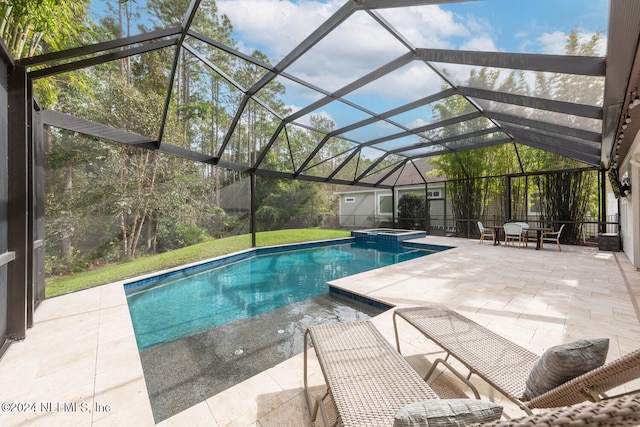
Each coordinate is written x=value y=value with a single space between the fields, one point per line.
x=506 y=365
x=620 y=411
x=367 y=378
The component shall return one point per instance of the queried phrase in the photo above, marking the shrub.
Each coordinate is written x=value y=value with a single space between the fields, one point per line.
x=411 y=210
x=191 y=235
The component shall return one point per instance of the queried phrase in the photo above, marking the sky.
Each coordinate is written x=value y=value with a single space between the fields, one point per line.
x=275 y=26
x=359 y=45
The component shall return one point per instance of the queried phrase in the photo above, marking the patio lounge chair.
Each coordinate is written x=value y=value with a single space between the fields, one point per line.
x=551 y=236
x=513 y=231
x=505 y=365
x=367 y=378
x=486 y=232
x=620 y=411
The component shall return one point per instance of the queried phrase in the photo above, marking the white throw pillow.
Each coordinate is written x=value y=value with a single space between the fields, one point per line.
x=447 y=413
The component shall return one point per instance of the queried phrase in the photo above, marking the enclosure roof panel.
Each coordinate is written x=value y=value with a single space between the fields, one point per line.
x=409 y=79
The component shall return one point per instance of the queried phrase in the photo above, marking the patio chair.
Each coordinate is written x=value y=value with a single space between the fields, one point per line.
x=513 y=231
x=620 y=411
x=525 y=232
x=506 y=366
x=551 y=236
x=486 y=232
x=367 y=378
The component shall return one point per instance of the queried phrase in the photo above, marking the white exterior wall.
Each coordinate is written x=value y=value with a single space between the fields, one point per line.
x=626 y=226
x=630 y=206
x=365 y=205
x=363 y=210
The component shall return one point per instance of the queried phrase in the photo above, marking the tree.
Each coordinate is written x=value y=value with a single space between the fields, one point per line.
x=565 y=196
x=285 y=203
x=71 y=200
x=30 y=27
x=464 y=192
x=35 y=27
x=469 y=196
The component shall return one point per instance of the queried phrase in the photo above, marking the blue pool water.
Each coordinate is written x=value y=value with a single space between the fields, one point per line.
x=180 y=305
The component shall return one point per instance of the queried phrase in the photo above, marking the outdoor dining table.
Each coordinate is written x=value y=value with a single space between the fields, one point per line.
x=539 y=231
x=496 y=233
x=498 y=228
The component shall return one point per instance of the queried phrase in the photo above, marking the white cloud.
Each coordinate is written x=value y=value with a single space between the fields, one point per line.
x=306 y=119
x=394 y=86
x=347 y=54
x=427 y=26
x=293 y=108
x=554 y=43
x=414 y=124
x=602 y=46
x=520 y=35
x=279 y=25
x=526 y=45
x=359 y=45
x=477 y=25
x=480 y=43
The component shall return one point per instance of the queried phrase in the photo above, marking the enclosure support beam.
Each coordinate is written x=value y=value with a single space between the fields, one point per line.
x=427 y=209
x=582 y=65
x=31 y=267
x=468 y=182
x=581 y=110
x=445 y=207
x=252 y=208
x=430 y=126
x=508 y=199
x=39 y=134
x=603 y=201
x=393 y=205
x=18 y=205
x=79 y=52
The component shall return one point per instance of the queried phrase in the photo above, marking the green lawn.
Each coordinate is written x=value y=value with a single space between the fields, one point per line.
x=73 y=282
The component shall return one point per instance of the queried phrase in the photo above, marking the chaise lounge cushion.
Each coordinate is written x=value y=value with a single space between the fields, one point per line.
x=447 y=413
x=564 y=362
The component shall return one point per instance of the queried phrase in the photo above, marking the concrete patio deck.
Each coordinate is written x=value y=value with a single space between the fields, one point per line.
x=79 y=365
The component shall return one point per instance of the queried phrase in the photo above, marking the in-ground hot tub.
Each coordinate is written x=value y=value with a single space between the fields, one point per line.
x=388 y=236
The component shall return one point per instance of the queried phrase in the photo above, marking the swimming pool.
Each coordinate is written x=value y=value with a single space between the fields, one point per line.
x=240 y=286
